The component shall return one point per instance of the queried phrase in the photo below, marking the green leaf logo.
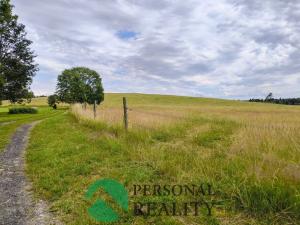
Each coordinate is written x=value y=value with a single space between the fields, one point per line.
x=100 y=210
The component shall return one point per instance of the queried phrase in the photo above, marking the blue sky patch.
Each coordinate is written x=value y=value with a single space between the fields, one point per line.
x=126 y=34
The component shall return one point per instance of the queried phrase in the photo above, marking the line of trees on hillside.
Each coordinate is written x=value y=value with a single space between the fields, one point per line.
x=271 y=99
x=285 y=101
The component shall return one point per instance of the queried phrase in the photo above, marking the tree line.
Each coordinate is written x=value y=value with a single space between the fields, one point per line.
x=284 y=101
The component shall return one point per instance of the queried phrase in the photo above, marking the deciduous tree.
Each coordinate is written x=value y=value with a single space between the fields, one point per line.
x=80 y=85
x=16 y=58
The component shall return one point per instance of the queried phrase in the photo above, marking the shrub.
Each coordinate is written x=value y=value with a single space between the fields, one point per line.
x=52 y=101
x=23 y=110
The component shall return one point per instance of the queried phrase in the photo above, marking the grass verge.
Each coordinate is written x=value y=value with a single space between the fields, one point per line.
x=248 y=152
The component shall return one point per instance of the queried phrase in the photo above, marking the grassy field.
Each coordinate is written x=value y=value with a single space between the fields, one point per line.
x=41 y=101
x=10 y=122
x=249 y=152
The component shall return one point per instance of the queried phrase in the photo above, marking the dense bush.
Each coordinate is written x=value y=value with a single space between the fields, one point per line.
x=24 y=110
x=52 y=101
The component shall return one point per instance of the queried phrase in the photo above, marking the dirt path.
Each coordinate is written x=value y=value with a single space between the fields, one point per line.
x=17 y=206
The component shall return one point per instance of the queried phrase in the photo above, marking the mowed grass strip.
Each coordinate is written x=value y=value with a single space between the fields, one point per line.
x=237 y=147
x=10 y=122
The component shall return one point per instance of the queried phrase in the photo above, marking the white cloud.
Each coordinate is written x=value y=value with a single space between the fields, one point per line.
x=225 y=48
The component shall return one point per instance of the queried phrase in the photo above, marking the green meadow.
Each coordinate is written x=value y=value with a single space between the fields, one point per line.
x=248 y=152
x=9 y=123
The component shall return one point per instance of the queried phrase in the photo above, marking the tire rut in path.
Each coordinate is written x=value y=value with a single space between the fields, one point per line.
x=17 y=206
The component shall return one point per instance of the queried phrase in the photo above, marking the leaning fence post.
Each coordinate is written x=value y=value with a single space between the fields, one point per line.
x=125 y=113
x=95 y=109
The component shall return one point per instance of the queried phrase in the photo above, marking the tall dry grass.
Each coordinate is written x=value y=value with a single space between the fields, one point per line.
x=249 y=151
x=268 y=135
x=138 y=117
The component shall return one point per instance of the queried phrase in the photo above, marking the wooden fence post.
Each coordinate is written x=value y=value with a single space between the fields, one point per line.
x=95 y=109
x=125 y=113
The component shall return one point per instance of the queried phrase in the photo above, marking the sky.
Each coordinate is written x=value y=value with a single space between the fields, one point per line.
x=233 y=49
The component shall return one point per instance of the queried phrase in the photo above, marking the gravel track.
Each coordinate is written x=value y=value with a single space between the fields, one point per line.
x=17 y=206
